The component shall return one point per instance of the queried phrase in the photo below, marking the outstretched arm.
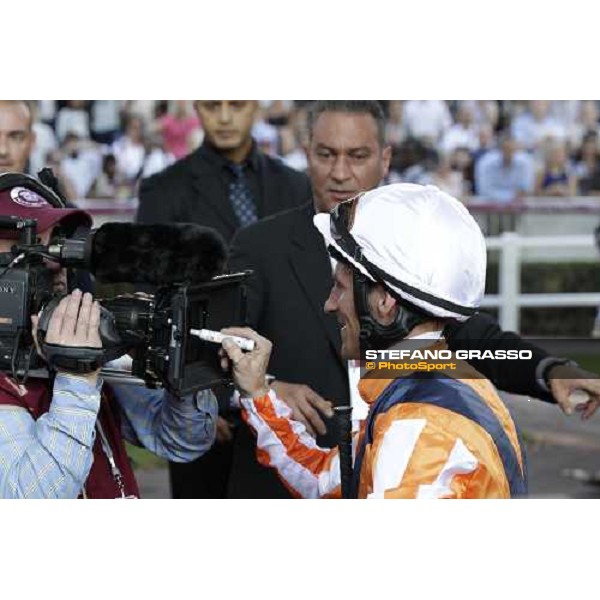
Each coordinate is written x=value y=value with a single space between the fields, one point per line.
x=178 y=429
x=544 y=377
x=482 y=332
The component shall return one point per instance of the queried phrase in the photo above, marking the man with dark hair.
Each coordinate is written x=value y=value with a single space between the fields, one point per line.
x=367 y=107
x=227 y=184
x=293 y=277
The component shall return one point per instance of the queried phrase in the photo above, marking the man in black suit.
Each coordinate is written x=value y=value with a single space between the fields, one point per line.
x=197 y=188
x=293 y=277
x=226 y=184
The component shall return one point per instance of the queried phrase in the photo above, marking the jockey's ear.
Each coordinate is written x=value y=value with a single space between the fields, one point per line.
x=383 y=306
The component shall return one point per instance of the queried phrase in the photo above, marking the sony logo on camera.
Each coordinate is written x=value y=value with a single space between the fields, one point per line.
x=8 y=289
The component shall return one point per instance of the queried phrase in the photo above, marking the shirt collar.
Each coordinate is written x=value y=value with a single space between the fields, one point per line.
x=214 y=156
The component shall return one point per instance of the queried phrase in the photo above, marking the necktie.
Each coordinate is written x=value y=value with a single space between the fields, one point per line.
x=240 y=197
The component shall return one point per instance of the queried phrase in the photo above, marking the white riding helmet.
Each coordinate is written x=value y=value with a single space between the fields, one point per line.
x=420 y=242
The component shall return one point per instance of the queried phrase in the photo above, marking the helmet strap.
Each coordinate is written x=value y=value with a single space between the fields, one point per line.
x=374 y=335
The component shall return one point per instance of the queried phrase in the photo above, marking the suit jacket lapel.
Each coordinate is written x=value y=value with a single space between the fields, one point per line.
x=311 y=265
x=273 y=191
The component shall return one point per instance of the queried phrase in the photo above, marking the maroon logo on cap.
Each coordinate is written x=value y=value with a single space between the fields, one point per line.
x=27 y=198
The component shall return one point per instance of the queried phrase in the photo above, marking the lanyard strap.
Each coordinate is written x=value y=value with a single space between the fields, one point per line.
x=116 y=472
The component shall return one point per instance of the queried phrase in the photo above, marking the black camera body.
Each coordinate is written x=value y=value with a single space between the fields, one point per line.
x=25 y=287
x=154 y=328
x=174 y=358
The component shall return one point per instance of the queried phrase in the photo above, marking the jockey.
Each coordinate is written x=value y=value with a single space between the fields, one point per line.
x=410 y=259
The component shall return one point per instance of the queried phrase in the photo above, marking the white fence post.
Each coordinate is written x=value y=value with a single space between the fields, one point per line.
x=509 y=280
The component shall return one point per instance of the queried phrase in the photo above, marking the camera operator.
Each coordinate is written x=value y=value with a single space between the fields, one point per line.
x=63 y=437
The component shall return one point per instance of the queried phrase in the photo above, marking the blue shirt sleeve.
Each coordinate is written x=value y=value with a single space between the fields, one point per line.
x=50 y=457
x=179 y=430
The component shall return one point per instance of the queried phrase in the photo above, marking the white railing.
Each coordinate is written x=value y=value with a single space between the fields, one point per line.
x=510 y=300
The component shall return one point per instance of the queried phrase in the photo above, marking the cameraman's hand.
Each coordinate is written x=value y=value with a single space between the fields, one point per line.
x=74 y=323
x=249 y=368
x=306 y=405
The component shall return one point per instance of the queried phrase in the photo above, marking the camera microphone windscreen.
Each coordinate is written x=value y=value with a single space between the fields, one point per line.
x=157 y=254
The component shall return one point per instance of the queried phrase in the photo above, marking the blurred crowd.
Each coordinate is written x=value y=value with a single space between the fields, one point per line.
x=498 y=150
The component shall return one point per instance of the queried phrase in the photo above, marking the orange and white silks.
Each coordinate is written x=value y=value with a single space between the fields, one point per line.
x=425 y=437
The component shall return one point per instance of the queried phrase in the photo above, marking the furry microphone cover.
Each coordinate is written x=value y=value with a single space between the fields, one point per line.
x=157 y=254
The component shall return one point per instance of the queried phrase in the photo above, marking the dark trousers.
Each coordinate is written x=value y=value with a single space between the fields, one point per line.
x=206 y=477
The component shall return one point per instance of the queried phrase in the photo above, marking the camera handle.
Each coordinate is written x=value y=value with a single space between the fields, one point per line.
x=74 y=359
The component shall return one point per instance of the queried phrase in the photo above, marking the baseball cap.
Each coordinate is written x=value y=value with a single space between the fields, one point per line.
x=420 y=242
x=24 y=202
